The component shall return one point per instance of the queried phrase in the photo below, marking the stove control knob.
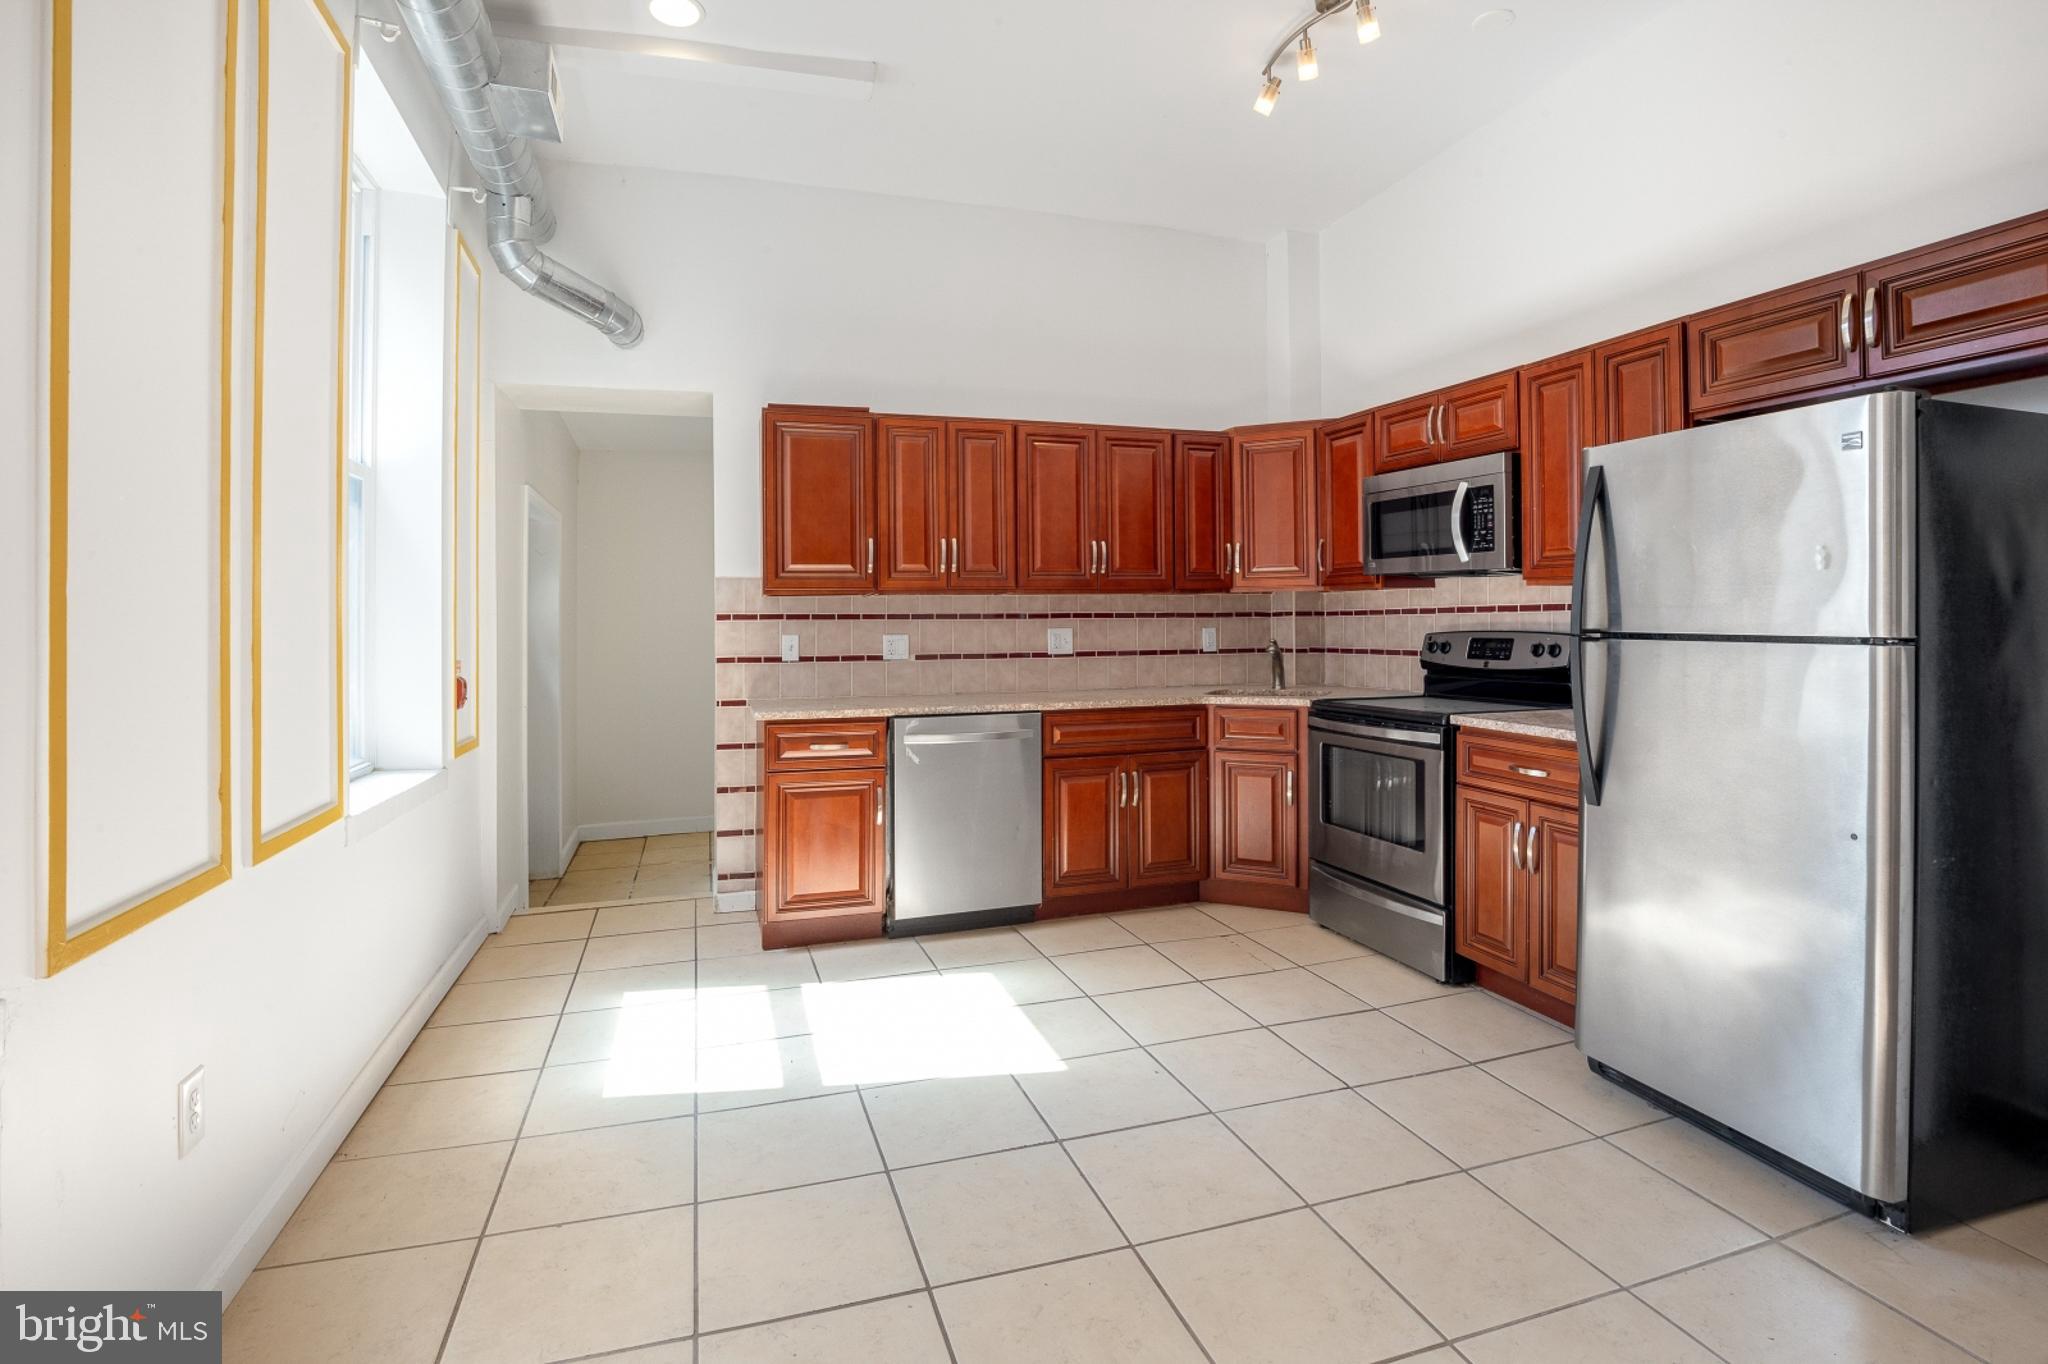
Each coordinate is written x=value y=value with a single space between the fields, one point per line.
x=1555 y=649
x=1536 y=650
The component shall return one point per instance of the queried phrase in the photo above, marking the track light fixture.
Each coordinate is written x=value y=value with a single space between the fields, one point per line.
x=1305 y=65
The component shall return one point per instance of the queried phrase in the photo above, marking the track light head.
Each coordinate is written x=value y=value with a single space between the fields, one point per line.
x=1305 y=60
x=1268 y=96
x=1368 y=22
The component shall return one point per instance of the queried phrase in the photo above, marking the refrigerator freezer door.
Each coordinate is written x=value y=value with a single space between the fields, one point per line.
x=1745 y=900
x=1795 y=524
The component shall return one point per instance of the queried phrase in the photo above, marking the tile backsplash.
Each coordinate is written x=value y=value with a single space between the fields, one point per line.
x=962 y=644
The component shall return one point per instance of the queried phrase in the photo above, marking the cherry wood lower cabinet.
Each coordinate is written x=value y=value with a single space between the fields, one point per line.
x=824 y=859
x=1258 y=804
x=1118 y=825
x=1516 y=915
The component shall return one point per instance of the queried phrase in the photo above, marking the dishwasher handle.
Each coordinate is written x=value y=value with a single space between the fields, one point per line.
x=986 y=737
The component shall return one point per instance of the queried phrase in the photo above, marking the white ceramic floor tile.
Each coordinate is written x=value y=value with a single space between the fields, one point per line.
x=1171 y=1012
x=389 y=1307
x=475 y=1049
x=516 y=963
x=730 y=1014
x=1231 y=1070
x=1245 y=919
x=1471 y=1117
x=1178 y=1177
x=901 y=1330
x=534 y=997
x=1307 y=944
x=1121 y=968
x=606 y=1093
x=866 y=960
x=1099 y=1093
x=1364 y=1048
x=601 y=1172
x=1025 y=982
x=640 y=949
x=1971 y=1288
x=558 y=1292
x=1768 y=1306
x=1101 y=1310
x=1284 y=1288
x=1001 y=1212
x=1558 y=1078
x=774 y=1255
x=1216 y=958
x=437 y=1113
x=1171 y=925
x=587 y=1036
x=944 y=1119
x=978 y=948
x=1773 y=1203
x=602 y=853
x=668 y=982
x=1076 y=1027
x=745 y=1074
x=1286 y=996
x=1380 y=981
x=728 y=940
x=766 y=970
x=776 y=1146
x=568 y=925
x=1616 y=1329
x=1477 y=1026
x=1081 y=933
x=1461 y=1256
x=2025 y=1228
x=1335 y=1145
x=389 y=1202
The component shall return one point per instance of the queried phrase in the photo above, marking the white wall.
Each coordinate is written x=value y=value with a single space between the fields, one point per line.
x=644 y=712
x=759 y=293
x=1718 y=149
x=530 y=448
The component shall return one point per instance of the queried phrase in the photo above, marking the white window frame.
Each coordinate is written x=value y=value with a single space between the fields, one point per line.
x=360 y=468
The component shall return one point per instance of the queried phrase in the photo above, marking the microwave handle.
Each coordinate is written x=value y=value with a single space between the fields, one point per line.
x=1458 y=522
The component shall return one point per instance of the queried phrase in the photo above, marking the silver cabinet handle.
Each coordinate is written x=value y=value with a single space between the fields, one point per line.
x=1458 y=522
x=1321 y=543
x=1870 y=318
x=878 y=807
x=1237 y=556
x=1137 y=791
x=956 y=554
x=871 y=554
x=1529 y=852
x=1515 y=845
x=1290 y=786
x=1848 y=327
x=1123 y=794
x=1538 y=773
x=830 y=748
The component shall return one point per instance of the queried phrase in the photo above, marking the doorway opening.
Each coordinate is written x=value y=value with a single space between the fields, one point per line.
x=546 y=839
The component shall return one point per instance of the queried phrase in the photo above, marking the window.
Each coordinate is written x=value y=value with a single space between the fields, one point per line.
x=359 y=494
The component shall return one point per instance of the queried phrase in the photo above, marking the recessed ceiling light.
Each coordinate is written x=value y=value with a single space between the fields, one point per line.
x=1493 y=20
x=676 y=13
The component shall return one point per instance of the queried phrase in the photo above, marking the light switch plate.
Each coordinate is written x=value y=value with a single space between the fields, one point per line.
x=789 y=649
x=191 y=1110
x=1059 y=641
x=1208 y=639
x=895 y=647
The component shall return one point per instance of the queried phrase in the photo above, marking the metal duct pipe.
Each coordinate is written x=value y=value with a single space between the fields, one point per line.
x=515 y=247
x=461 y=55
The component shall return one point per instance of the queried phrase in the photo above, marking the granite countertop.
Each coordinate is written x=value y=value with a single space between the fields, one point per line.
x=1537 y=724
x=1112 y=698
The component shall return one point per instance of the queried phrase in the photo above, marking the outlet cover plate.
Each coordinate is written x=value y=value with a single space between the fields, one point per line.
x=895 y=648
x=1059 y=641
x=789 y=649
x=191 y=1110
x=1208 y=639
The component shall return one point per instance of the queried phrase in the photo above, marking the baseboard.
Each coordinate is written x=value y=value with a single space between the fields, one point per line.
x=512 y=902
x=569 y=847
x=643 y=828
x=738 y=901
x=235 y=1264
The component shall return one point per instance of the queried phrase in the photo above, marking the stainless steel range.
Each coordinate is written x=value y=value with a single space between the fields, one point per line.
x=1380 y=789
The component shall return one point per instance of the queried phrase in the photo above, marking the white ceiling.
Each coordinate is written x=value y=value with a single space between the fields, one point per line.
x=638 y=433
x=1126 y=110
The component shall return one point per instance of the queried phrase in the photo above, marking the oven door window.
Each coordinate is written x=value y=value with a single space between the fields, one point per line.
x=1417 y=526
x=1374 y=794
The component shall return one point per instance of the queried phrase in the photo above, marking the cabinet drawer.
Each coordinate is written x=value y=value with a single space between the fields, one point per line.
x=798 y=745
x=1267 y=729
x=1122 y=731
x=1538 y=768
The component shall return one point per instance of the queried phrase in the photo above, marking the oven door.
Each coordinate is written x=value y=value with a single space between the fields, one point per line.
x=1376 y=805
x=1461 y=522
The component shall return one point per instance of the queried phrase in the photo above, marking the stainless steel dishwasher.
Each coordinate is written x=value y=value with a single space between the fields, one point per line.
x=965 y=820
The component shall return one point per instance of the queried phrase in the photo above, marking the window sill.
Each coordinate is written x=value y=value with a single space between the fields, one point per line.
x=377 y=798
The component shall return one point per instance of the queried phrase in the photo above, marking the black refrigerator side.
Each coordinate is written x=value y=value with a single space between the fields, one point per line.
x=1980 y=941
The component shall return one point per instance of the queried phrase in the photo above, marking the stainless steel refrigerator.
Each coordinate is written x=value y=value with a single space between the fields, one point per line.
x=1811 y=671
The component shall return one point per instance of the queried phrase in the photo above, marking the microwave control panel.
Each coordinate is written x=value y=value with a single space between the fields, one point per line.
x=1479 y=505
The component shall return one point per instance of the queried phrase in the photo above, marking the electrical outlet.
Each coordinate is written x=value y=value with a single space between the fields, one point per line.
x=1059 y=641
x=789 y=649
x=191 y=1110
x=895 y=648
x=1208 y=639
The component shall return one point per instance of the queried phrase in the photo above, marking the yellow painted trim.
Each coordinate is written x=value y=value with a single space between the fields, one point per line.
x=476 y=479
x=262 y=846
x=60 y=949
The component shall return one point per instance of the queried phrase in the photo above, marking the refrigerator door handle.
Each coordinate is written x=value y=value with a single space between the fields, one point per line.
x=1458 y=522
x=1594 y=509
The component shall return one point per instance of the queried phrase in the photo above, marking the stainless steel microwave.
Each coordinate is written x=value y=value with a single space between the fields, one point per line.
x=1442 y=519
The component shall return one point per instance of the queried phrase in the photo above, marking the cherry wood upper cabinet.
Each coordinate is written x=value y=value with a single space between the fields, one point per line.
x=1554 y=902
x=1274 y=508
x=1641 y=381
x=912 y=520
x=818 y=500
x=1558 y=404
x=1476 y=418
x=1055 y=496
x=1774 y=348
x=1405 y=434
x=1201 y=513
x=1492 y=891
x=980 y=497
x=1343 y=462
x=1134 y=510
x=1971 y=301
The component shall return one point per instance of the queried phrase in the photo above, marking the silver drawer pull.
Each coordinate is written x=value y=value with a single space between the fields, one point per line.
x=1538 y=773
x=830 y=748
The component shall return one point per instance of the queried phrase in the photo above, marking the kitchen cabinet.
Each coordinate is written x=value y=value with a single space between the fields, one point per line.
x=1201 y=513
x=1258 y=807
x=818 y=500
x=1094 y=510
x=1641 y=384
x=1343 y=463
x=1167 y=816
x=945 y=519
x=1516 y=909
x=1134 y=510
x=1273 y=511
x=1116 y=824
x=1973 y=301
x=1084 y=826
x=1055 y=530
x=824 y=834
x=1558 y=407
x=1773 y=348
x=1476 y=418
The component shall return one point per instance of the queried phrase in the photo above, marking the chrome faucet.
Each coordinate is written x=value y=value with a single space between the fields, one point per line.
x=1279 y=665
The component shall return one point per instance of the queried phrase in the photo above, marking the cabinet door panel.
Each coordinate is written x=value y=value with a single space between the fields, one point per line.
x=1343 y=461
x=818 y=492
x=1201 y=513
x=1134 y=509
x=1641 y=384
x=1773 y=348
x=1980 y=298
x=913 y=522
x=1256 y=830
x=1167 y=818
x=1404 y=435
x=1554 y=902
x=1275 y=510
x=824 y=843
x=1491 y=885
x=1480 y=418
x=1084 y=826
x=983 y=501
x=1557 y=415
x=1055 y=530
